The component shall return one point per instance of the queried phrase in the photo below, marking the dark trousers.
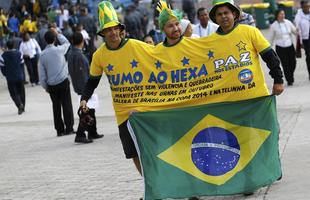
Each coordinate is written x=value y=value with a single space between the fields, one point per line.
x=306 y=44
x=17 y=92
x=32 y=68
x=92 y=130
x=287 y=56
x=61 y=98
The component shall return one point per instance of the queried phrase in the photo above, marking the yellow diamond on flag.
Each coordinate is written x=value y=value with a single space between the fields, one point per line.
x=215 y=150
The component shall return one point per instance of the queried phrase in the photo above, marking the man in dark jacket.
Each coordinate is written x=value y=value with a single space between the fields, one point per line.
x=89 y=25
x=188 y=7
x=11 y=63
x=79 y=71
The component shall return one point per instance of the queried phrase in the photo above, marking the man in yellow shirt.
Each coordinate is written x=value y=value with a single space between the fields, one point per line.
x=109 y=59
x=169 y=23
x=237 y=39
x=3 y=26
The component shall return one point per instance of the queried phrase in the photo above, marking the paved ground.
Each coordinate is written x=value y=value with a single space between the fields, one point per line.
x=35 y=164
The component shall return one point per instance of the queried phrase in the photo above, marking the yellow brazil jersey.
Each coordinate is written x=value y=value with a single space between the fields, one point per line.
x=33 y=27
x=125 y=69
x=213 y=69
x=27 y=26
x=3 y=22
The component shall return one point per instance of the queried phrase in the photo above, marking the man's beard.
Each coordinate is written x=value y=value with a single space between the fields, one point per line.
x=174 y=36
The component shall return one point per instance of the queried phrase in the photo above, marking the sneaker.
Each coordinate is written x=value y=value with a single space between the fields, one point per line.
x=82 y=140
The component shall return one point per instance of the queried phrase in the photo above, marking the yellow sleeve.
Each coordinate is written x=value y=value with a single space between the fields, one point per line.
x=96 y=69
x=34 y=26
x=260 y=43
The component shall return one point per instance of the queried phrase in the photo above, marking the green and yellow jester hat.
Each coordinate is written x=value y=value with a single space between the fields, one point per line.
x=166 y=14
x=107 y=17
x=219 y=3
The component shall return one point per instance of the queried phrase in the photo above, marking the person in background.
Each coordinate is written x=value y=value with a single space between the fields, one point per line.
x=205 y=26
x=245 y=18
x=282 y=31
x=13 y=23
x=26 y=26
x=53 y=71
x=3 y=27
x=133 y=23
x=89 y=25
x=303 y=26
x=144 y=15
x=148 y=39
x=63 y=16
x=23 y=11
x=79 y=72
x=187 y=29
x=73 y=18
x=43 y=28
x=66 y=30
x=16 y=40
x=11 y=63
x=156 y=34
x=188 y=6
x=29 y=49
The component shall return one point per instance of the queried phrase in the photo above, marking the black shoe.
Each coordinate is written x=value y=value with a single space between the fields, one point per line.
x=248 y=194
x=279 y=178
x=193 y=198
x=21 y=109
x=70 y=132
x=93 y=137
x=290 y=84
x=26 y=82
x=82 y=140
x=60 y=134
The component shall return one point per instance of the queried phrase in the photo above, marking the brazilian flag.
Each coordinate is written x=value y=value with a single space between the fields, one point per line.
x=214 y=149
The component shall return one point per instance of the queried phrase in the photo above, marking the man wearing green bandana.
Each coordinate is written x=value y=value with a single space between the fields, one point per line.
x=225 y=13
x=169 y=23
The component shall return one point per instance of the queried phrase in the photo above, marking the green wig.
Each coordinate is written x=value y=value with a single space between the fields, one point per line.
x=166 y=14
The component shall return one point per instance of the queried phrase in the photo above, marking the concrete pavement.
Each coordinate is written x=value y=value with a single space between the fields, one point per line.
x=35 y=164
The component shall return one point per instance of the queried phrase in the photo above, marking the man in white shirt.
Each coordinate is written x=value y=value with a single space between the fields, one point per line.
x=63 y=16
x=303 y=25
x=205 y=26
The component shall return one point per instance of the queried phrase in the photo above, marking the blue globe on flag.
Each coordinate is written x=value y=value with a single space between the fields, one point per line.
x=215 y=151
